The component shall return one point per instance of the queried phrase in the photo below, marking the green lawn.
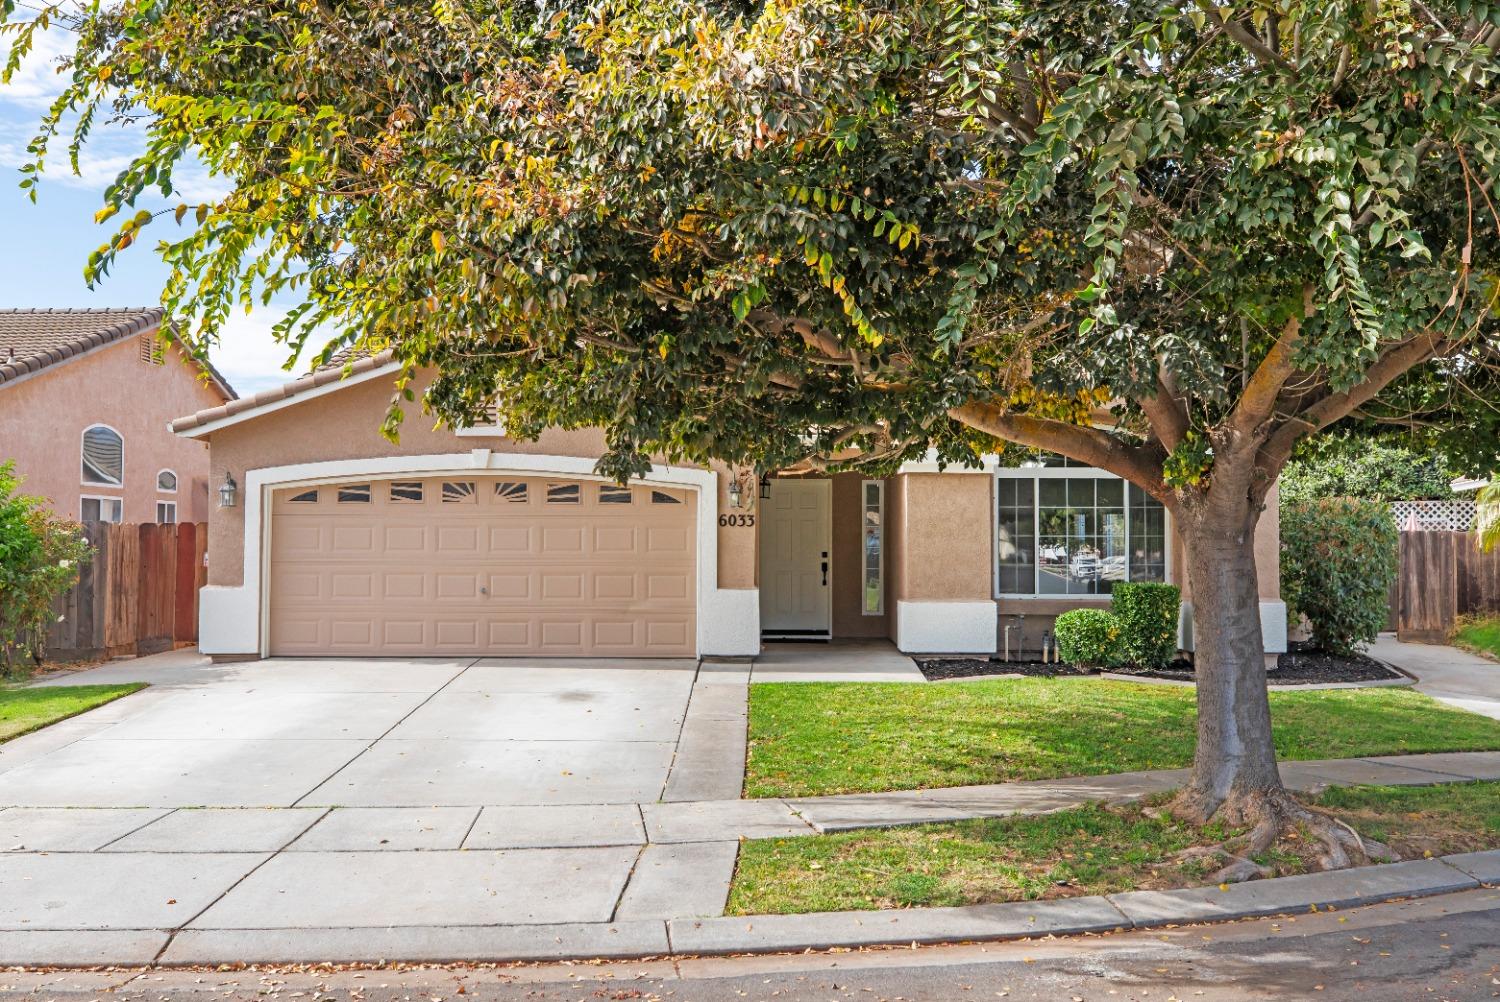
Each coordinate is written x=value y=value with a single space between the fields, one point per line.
x=1482 y=635
x=808 y=739
x=26 y=710
x=1090 y=850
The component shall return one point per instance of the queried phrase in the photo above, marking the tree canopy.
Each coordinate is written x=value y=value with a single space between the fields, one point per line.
x=820 y=230
x=1353 y=466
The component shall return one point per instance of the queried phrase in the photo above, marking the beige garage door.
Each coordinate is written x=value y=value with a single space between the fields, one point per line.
x=502 y=566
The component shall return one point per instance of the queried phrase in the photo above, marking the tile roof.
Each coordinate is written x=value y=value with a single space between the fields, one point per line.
x=31 y=340
x=343 y=365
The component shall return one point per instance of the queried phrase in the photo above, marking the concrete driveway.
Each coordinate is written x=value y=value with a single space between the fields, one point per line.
x=404 y=806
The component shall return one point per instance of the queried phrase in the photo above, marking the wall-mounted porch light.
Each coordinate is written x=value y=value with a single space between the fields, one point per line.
x=741 y=491
x=765 y=487
x=227 y=491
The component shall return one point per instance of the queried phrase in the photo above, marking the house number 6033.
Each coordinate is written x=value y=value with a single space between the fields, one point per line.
x=738 y=521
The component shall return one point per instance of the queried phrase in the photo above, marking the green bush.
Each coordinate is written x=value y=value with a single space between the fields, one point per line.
x=1088 y=637
x=40 y=555
x=1338 y=561
x=1354 y=467
x=1147 y=614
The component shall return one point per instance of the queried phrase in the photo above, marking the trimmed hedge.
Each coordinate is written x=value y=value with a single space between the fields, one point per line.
x=1089 y=638
x=1147 y=615
x=1338 y=561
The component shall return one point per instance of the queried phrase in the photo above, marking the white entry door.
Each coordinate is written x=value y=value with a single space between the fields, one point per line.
x=796 y=543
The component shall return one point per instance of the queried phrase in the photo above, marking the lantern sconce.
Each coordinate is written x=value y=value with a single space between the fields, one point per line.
x=741 y=494
x=227 y=491
x=765 y=487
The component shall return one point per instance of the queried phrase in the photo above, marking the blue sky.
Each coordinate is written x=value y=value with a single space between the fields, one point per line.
x=46 y=244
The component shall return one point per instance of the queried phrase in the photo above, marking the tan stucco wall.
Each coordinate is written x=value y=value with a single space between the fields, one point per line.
x=42 y=419
x=946 y=537
x=345 y=424
x=849 y=619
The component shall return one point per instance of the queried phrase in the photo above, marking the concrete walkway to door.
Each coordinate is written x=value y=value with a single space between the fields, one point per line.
x=355 y=803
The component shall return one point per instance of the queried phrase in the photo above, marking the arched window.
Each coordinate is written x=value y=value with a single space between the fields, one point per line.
x=166 y=482
x=103 y=456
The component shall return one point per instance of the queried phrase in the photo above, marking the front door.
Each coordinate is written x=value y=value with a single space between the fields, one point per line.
x=795 y=546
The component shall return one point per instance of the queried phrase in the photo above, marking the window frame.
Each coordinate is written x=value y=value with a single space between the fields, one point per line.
x=102 y=497
x=864 y=512
x=172 y=505
x=166 y=490
x=84 y=480
x=1037 y=473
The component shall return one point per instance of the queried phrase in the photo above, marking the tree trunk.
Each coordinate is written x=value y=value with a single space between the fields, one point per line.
x=1234 y=775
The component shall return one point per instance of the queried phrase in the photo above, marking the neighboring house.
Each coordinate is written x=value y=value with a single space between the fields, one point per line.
x=470 y=543
x=85 y=401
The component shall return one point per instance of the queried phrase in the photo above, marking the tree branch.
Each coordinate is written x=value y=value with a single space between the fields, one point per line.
x=1258 y=400
x=1087 y=445
x=1247 y=39
x=1334 y=407
x=1165 y=413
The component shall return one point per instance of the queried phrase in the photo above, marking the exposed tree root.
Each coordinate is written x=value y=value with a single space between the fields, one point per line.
x=1273 y=816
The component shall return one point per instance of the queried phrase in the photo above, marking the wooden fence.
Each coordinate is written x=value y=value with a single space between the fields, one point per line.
x=139 y=595
x=1443 y=576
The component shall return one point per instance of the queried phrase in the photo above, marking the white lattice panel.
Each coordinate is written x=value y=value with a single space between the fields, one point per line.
x=1456 y=515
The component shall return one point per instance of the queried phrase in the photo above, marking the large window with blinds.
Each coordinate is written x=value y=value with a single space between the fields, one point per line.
x=1065 y=529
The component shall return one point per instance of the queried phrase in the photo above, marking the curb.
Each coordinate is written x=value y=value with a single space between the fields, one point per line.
x=676 y=938
x=1100 y=913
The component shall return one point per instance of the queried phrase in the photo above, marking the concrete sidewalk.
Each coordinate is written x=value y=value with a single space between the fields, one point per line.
x=131 y=885
x=207 y=945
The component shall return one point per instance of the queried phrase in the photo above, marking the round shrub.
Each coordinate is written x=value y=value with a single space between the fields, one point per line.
x=1089 y=638
x=1338 y=561
x=1147 y=614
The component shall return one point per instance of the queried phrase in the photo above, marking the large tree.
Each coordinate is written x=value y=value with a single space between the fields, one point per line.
x=841 y=233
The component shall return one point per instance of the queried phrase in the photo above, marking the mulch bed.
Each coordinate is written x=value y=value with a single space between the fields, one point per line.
x=1302 y=665
x=937 y=669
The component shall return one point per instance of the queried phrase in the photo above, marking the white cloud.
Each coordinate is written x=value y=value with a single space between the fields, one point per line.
x=111 y=146
x=37 y=82
x=250 y=357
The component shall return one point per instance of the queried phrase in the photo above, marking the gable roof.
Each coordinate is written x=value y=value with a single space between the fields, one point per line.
x=347 y=368
x=32 y=340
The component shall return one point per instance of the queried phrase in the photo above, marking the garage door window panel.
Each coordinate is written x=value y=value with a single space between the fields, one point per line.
x=459 y=492
x=406 y=492
x=613 y=494
x=511 y=492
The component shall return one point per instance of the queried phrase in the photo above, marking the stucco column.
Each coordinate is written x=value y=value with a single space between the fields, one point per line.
x=944 y=586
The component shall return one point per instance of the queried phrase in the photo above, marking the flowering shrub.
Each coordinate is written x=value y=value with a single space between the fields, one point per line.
x=40 y=556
